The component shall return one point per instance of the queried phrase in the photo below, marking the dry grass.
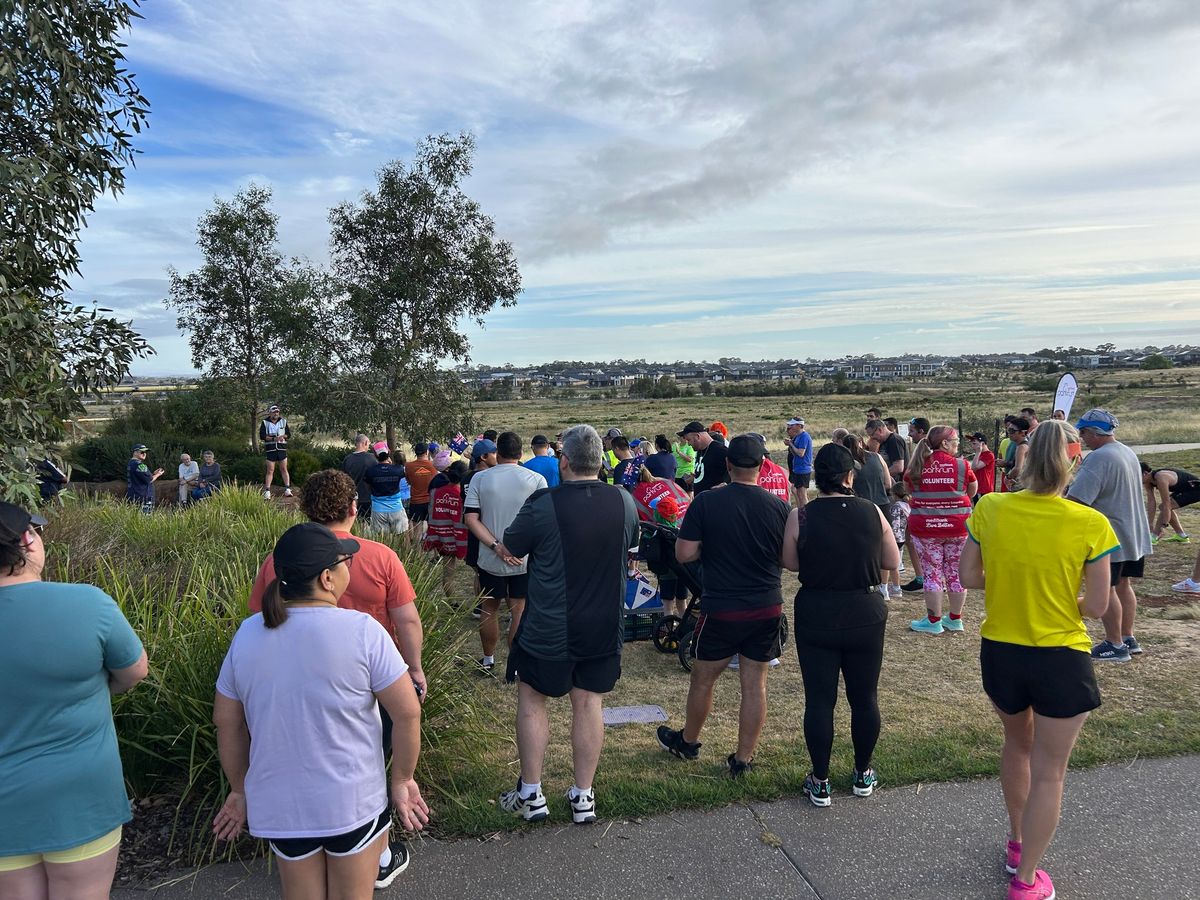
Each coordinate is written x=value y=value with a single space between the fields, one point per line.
x=938 y=725
x=1153 y=408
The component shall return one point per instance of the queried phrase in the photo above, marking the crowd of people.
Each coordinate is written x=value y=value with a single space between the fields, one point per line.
x=323 y=683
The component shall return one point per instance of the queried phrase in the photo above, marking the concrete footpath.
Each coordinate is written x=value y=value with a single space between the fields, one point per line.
x=1127 y=831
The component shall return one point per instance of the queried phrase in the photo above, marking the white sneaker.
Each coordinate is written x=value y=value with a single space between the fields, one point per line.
x=531 y=809
x=583 y=806
x=893 y=590
x=266 y=495
x=1187 y=586
x=773 y=663
x=287 y=492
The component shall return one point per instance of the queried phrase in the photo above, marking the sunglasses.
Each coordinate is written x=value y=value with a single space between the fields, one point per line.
x=348 y=560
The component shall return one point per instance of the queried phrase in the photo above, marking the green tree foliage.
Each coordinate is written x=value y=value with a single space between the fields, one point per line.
x=646 y=386
x=412 y=259
x=236 y=307
x=1157 y=361
x=68 y=111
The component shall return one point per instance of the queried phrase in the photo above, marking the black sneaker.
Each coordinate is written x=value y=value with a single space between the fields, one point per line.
x=916 y=586
x=477 y=612
x=1107 y=651
x=865 y=783
x=736 y=767
x=388 y=874
x=672 y=741
x=818 y=791
x=483 y=668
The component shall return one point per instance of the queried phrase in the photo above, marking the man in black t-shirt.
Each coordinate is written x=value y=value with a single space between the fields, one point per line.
x=889 y=445
x=737 y=532
x=577 y=537
x=710 y=457
x=355 y=465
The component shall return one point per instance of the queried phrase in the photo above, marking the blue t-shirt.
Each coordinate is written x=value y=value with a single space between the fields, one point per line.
x=141 y=480
x=662 y=464
x=803 y=464
x=546 y=466
x=389 y=487
x=61 y=783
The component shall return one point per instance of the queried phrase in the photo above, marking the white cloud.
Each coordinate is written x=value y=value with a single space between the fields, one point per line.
x=683 y=143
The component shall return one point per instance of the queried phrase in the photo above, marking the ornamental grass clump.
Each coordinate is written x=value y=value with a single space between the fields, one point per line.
x=183 y=578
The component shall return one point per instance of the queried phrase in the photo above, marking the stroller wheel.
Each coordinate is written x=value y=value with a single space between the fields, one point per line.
x=664 y=637
x=685 y=649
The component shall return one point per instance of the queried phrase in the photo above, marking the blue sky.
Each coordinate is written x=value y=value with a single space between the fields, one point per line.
x=688 y=180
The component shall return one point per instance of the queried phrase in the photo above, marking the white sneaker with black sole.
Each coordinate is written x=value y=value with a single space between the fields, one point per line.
x=532 y=808
x=583 y=806
x=399 y=862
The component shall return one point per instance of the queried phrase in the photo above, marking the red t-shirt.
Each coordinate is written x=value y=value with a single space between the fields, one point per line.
x=419 y=473
x=378 y=582
x=987 y=475
x=946 y=515
x=773 y=478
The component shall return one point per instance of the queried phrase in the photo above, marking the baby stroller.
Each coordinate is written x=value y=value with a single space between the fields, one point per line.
x=672 y=634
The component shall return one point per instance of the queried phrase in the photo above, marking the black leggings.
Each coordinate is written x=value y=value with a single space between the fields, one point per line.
x=857 y=653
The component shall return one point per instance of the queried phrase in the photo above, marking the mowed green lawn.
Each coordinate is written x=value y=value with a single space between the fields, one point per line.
x=938 y=725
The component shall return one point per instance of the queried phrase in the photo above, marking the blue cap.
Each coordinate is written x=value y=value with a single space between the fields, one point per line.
x=138 y=448
x=482 y=448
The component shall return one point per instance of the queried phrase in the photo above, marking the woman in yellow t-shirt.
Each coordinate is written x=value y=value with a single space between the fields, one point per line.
x=1028 y=551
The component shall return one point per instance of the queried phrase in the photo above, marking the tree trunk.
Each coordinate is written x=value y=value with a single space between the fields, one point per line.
x=390 y=434
x=254 y=427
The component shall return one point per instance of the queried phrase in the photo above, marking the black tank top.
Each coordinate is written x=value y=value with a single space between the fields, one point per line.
x=839 y=544
x=1182 y=478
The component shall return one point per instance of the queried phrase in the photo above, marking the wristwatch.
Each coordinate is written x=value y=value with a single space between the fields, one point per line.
x=495 y=544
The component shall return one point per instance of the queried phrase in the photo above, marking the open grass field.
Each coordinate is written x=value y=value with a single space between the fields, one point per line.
x=1154 y=407
x=938 y=725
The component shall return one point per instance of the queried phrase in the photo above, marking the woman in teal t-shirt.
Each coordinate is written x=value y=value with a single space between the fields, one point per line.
x=64 y=650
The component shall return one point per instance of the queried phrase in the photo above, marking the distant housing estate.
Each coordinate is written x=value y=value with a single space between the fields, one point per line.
x=868 y=368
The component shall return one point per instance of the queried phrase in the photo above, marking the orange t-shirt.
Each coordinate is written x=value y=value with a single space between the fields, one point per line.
x=419 y=473
x=378 y=582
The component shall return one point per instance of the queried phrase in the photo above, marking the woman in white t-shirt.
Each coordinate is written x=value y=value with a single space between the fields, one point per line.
x=299 y=731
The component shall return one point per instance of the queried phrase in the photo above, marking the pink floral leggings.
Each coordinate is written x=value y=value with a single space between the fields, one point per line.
x=939 y=562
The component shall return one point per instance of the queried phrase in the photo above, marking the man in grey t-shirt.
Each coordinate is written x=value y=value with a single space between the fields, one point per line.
x=1110 y=481
x=494 y=497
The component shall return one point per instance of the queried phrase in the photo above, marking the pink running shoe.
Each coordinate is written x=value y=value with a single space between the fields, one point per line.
x=1041 y=889
x=1013 y=858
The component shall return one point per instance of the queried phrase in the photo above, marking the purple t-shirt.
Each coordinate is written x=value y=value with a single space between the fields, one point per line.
x=308 y=688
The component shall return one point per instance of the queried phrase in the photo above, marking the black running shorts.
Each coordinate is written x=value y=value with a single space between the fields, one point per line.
x=555 y=678
x=418 y=512
x=1058 y=682
x=347 y=844
x=1186 y=498
x=800 y=479
x=504 y=587
x=276 y=455
x=1131 y=568
x=757 y=639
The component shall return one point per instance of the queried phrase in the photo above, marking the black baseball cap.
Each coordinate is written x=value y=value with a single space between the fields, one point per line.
x=307 y=550
x=693 y=427
x=139 y=448
x=979 y=436
x=833 y=461
x=613 y=432
x=746 y=451
x=15 y=521
x=540 y=440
